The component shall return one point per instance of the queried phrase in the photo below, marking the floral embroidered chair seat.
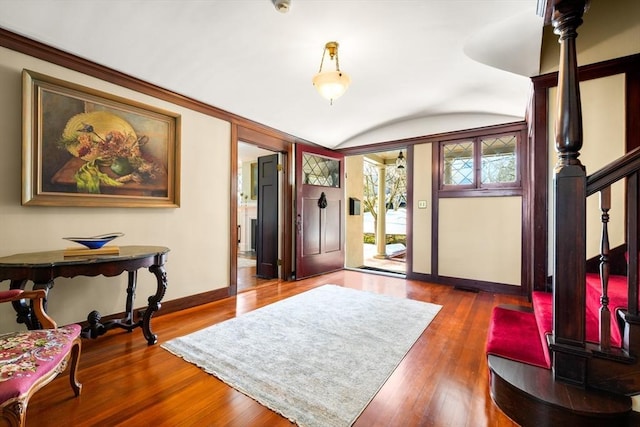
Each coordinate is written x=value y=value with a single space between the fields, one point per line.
x=30 y=360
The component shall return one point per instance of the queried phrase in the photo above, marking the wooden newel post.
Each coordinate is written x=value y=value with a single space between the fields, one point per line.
x=569 y=265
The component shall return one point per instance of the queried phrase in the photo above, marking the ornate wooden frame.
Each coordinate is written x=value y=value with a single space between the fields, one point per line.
x=55 y=172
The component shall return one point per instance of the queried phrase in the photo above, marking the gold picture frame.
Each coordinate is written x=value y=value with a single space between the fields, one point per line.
x=84 y=147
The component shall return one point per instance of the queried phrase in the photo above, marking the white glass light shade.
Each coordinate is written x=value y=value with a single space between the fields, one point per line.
x=331 y=84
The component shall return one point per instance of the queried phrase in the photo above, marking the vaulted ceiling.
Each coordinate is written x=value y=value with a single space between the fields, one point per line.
x=418 y=67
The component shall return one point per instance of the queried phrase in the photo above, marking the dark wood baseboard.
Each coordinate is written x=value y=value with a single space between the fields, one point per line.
x=194 y=300
x=468 y=284
x=175 y=305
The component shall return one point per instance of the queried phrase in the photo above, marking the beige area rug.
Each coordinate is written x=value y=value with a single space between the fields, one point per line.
x=317 y=358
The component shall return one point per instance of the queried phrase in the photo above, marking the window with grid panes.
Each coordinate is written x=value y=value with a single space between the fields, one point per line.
x=480 y=163
x=318 y=170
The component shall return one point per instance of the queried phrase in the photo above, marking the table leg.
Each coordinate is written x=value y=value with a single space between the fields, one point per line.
x=154 y=302
x=24 y=311
x=131 y=295
x=97 y=328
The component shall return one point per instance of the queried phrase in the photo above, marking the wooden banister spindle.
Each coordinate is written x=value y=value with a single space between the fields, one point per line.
x=605 y=314
x=633 y=198
x=631 y=335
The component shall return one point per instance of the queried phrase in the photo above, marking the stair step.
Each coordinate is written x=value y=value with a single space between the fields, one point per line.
x=530 y=396
x=513 y=334
x=543 y=308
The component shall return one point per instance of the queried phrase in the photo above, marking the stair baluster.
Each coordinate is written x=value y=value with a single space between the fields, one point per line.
x=633 y=199
x=631 y=340
x=605 y=313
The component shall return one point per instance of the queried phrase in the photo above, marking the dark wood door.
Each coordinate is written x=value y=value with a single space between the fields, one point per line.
x=267 y=227
x=319 y=211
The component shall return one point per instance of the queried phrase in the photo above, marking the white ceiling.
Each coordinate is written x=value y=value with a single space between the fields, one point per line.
x=418 y=67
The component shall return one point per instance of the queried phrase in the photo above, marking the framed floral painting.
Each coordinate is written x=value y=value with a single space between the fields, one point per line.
x=83 y=147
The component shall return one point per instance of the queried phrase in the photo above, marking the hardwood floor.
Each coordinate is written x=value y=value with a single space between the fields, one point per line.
x=246 y=275
x=247 y=279
x=441 y=382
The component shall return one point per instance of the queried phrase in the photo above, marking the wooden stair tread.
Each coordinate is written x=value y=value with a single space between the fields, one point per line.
x=527 y=393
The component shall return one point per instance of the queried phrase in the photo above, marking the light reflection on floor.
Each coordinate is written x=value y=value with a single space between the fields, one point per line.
x=246 y=275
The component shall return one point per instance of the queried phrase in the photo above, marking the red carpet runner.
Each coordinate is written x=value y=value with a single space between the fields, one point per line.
x=514 y=335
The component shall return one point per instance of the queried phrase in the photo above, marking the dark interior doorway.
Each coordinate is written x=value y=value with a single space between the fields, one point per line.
x=247 y=276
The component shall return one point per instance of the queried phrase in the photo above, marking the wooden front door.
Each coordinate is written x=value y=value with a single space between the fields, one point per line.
x=320 y=211
x=267 y=226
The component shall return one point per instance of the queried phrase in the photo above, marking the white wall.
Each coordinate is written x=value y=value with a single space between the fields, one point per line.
x=422 y=217
x=610 y=29
x=247 y=208
x=197 y=233
x=480 y=238
x=354 y=249
x=603 y=142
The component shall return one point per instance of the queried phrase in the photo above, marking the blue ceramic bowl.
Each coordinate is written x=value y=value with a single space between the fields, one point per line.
x=95 y=242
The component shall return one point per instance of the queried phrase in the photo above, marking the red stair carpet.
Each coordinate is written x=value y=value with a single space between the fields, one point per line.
x=513 y=334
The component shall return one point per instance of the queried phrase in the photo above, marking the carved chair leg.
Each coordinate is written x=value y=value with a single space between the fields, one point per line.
x=73 y=368
x=13 y=414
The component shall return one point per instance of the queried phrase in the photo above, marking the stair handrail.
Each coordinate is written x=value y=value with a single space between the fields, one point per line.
x=613 y=172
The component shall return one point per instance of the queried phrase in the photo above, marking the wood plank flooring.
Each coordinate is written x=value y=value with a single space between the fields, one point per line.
x=246 y=279
x=441 y=382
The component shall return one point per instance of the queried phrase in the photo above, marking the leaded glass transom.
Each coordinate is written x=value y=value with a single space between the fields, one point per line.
x=458 y=163
x=499 y=159
x=323 y=171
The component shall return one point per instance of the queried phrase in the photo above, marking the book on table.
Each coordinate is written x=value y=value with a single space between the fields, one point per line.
x=105 y=250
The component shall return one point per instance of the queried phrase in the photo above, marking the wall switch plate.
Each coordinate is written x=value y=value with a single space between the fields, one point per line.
x=422 y=204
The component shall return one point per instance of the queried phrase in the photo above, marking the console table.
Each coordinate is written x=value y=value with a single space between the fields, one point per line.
x=42 y=268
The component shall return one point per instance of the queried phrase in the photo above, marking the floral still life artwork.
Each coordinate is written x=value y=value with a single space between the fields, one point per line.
x=88 y=148
x=103 y=139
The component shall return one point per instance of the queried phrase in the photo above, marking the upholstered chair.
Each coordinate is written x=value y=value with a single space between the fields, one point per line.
x=31 y=359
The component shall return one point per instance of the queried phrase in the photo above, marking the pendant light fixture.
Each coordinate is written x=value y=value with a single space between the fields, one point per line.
x=331 y=84
x=401 y=161
x=281 y=6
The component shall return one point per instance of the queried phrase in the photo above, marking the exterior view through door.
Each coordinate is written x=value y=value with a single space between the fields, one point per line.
x=376 y=222
x=384 y=201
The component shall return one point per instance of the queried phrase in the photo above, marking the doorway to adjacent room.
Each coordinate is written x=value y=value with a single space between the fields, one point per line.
x=250 y=251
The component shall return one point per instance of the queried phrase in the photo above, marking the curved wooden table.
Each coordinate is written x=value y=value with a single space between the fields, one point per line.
x=42 y=268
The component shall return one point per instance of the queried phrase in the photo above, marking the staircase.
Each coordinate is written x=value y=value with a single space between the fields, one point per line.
x=530 y=378
x=539 y=379
x=520 y=363
x=572 y=358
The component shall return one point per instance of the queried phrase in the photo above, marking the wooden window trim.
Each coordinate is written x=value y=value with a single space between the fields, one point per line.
x=478 y=189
